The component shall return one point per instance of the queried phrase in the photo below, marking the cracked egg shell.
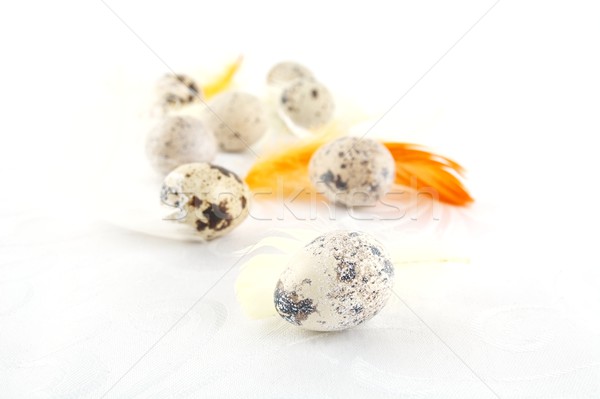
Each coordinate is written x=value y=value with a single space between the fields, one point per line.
x=209 y=198
x=178 y=90
x=338 y=281
x=353 y=171
x=307 y=104
x=286 y=72
x=178 y=140
x=238 y=120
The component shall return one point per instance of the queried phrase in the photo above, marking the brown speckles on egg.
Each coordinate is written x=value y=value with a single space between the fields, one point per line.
x=226 y=172
x=195 y=201
x=238 y=120
x=334 y=180
x=177 y=90
x=352 y=171
x=215 y=198
x=201 y=225
x=308 y=103
x=346 y=271
x=291 y=307
x=216 y=216
x=339 y=280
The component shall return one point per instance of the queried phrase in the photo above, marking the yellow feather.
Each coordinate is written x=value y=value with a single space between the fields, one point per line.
x=256 y=283
x=223 y=81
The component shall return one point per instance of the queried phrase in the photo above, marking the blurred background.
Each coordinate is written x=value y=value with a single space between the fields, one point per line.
x=509 y=89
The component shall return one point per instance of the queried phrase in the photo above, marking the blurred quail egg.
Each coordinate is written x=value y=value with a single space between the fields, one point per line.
x=338 y=281
x=286 y=72
x=306 y=103
x=178 y=140
x=353 y=171
x=177 y=90
x=238 y=120
x=209 y=198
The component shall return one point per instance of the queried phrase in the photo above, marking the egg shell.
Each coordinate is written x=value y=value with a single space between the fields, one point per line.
x=178 y=140
x=352 y=171
x=209 y=198
x=176 y=90
x=307 y=103
x=237 y=119
x=286 y=72
x=338 y=281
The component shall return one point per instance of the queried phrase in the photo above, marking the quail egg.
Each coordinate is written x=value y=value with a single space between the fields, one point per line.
x=178 y=140
x=353 y=171
x=209 y=198
x=177 y=90
x=306 y=103
x=238 y=120
x=286 y=72
x=338 y=281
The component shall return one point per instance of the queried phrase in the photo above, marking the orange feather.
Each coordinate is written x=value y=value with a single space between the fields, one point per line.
x=286 y=172
x=418 y=168
x=283 y=172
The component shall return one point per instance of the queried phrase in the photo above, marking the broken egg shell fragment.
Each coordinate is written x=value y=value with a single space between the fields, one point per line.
x=209 y=198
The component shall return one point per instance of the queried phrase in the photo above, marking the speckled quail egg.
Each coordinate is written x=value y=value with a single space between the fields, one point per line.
x=338 y=281
x=178 y=140
x=209 y=198
x=177 y=90
x=352 y=171
x=286 y=72
x=238 y=120
x=306 y=103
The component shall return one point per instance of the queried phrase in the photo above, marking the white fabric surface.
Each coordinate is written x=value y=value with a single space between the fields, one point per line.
x=88 y=308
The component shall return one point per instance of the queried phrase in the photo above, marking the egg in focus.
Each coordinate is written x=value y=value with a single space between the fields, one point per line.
x=338 y=281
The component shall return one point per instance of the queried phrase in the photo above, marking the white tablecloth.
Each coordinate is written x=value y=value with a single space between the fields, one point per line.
x=89 y=309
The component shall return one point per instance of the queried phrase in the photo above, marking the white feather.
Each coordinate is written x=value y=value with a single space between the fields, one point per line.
x=258 y=277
